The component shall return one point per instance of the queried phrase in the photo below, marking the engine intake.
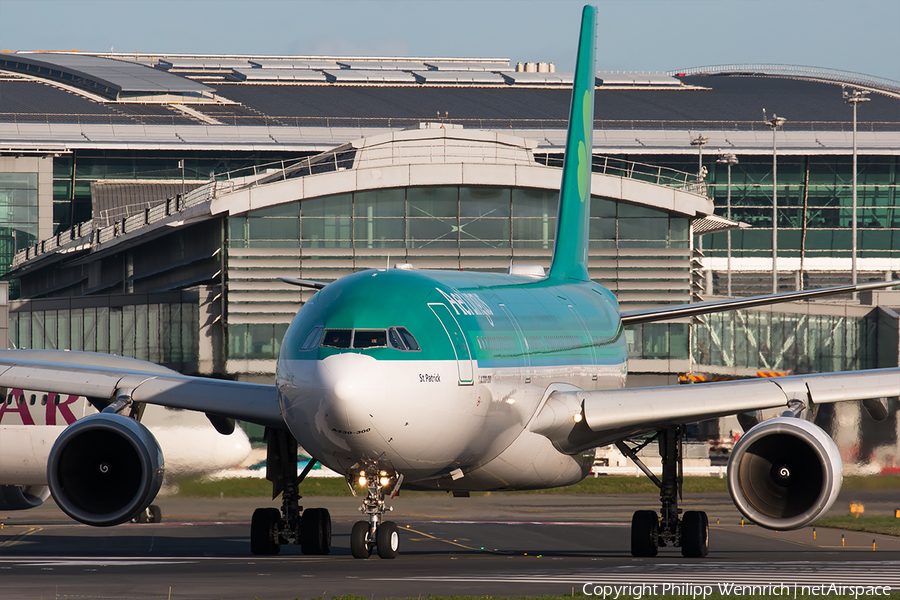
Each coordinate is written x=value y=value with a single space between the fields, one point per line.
x=784 y=473
x=22 y=497
x=105 y=469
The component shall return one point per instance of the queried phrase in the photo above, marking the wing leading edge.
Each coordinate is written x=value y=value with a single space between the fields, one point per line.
x=104 y=377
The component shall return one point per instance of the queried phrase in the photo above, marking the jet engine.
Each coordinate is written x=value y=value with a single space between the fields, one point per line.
x=22 y=497
x=104 y=469
x=784 y=473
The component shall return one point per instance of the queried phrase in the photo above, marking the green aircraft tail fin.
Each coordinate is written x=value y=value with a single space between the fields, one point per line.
x=570 y=252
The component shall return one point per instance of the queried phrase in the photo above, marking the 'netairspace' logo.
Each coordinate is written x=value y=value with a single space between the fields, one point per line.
x=688 y=590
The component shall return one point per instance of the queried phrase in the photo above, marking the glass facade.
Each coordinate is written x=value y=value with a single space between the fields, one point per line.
x=165 y=333
x=73 y=174
x=770 y=341
x=448 y=217
x=18 y=213
x=816 y=190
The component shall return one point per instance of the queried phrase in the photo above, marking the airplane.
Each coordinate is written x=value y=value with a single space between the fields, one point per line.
x=30 y=423
x=460 y=381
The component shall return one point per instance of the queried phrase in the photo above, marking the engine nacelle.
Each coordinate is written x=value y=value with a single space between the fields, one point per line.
x=22 y=497
x=104 y=469
x=785 y=473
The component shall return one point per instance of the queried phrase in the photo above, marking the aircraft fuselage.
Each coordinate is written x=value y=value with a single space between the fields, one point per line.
x=450 y=409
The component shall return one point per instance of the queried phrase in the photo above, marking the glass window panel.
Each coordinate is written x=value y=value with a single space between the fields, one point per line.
x=153 y=334
x=25 y=319
x=322 y=233
x=327 y=206
x=273 y=229
x=63 y=327
x=90 y=330
x=679 y=229
x=13 y=330
x=603 y=229
x=128 y=331
x=371 y=232
x=51 y=330
x=643 y=229
x=237 y=347
x=541 y=231
x=260 y=341
x=278 y=337
x=18 y=181
x=484 y=201
x=115 y=331
x=432 y=201
x=37 y=330
x=484 y=229
x=237 y=228
x=337 y=338
x=602 y=208
x=422 y=231
x=380 y=203
x=141 y=341
x=527 y=202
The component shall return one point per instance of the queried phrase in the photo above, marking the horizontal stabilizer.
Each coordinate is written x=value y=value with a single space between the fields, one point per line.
x=664 y=313
x=309 y=283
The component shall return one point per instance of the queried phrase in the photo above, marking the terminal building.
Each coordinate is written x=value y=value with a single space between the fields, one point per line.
x=151 y=203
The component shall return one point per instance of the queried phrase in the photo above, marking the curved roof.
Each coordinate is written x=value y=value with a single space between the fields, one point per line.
x=106 y=76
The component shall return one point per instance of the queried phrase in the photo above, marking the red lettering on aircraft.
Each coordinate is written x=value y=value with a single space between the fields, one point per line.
x=54 y=403
x=16 y=405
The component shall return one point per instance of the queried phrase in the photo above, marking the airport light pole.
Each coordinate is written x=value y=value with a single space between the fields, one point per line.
x=854 y=97
x=728 y=159
x=699 y=141
x=775 y=122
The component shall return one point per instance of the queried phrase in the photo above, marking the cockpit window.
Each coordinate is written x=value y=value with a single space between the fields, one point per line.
x=369 y=338
x=337 y=338
x=402 y=339
x=312 y=340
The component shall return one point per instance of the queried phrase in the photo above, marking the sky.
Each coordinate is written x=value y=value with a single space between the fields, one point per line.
x=634 y=35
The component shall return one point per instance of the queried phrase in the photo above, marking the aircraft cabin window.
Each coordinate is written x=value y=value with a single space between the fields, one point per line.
x=369 y=338
x=337 y=338
x=312 y=340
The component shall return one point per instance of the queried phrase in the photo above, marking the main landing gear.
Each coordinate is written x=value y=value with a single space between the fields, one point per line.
x=376 y=533
x=650 y=532
x=270 y=527
x=151 y=514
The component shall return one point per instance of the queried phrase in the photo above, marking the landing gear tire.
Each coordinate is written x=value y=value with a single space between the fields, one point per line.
x=155 y=514
x=388 y=540
x=644 y=534
x=694 y=534
x=315 y=531
x=264 y=534
x=151 y=514
x=359 y=544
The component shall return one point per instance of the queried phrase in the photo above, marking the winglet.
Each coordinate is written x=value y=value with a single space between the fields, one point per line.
x=570 y=252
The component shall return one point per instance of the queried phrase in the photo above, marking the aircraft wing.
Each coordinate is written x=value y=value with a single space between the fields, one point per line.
x=611 y=415
x=663 y=313
x=657 y=406
x=102 y=378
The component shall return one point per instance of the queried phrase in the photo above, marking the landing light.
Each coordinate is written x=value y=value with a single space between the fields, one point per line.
x=576 y=418
x=385 y=480
x=362 y=480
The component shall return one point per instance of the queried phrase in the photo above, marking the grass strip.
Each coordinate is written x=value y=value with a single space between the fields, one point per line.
x=874 y=524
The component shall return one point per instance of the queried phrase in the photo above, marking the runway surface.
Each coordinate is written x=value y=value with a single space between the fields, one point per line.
x=497 y=545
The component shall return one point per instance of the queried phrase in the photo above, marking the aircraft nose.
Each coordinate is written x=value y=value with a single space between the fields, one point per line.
x=355 y=390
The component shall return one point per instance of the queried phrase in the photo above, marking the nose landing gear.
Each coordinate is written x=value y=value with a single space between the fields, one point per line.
x=376 y=533
x=650 y=532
